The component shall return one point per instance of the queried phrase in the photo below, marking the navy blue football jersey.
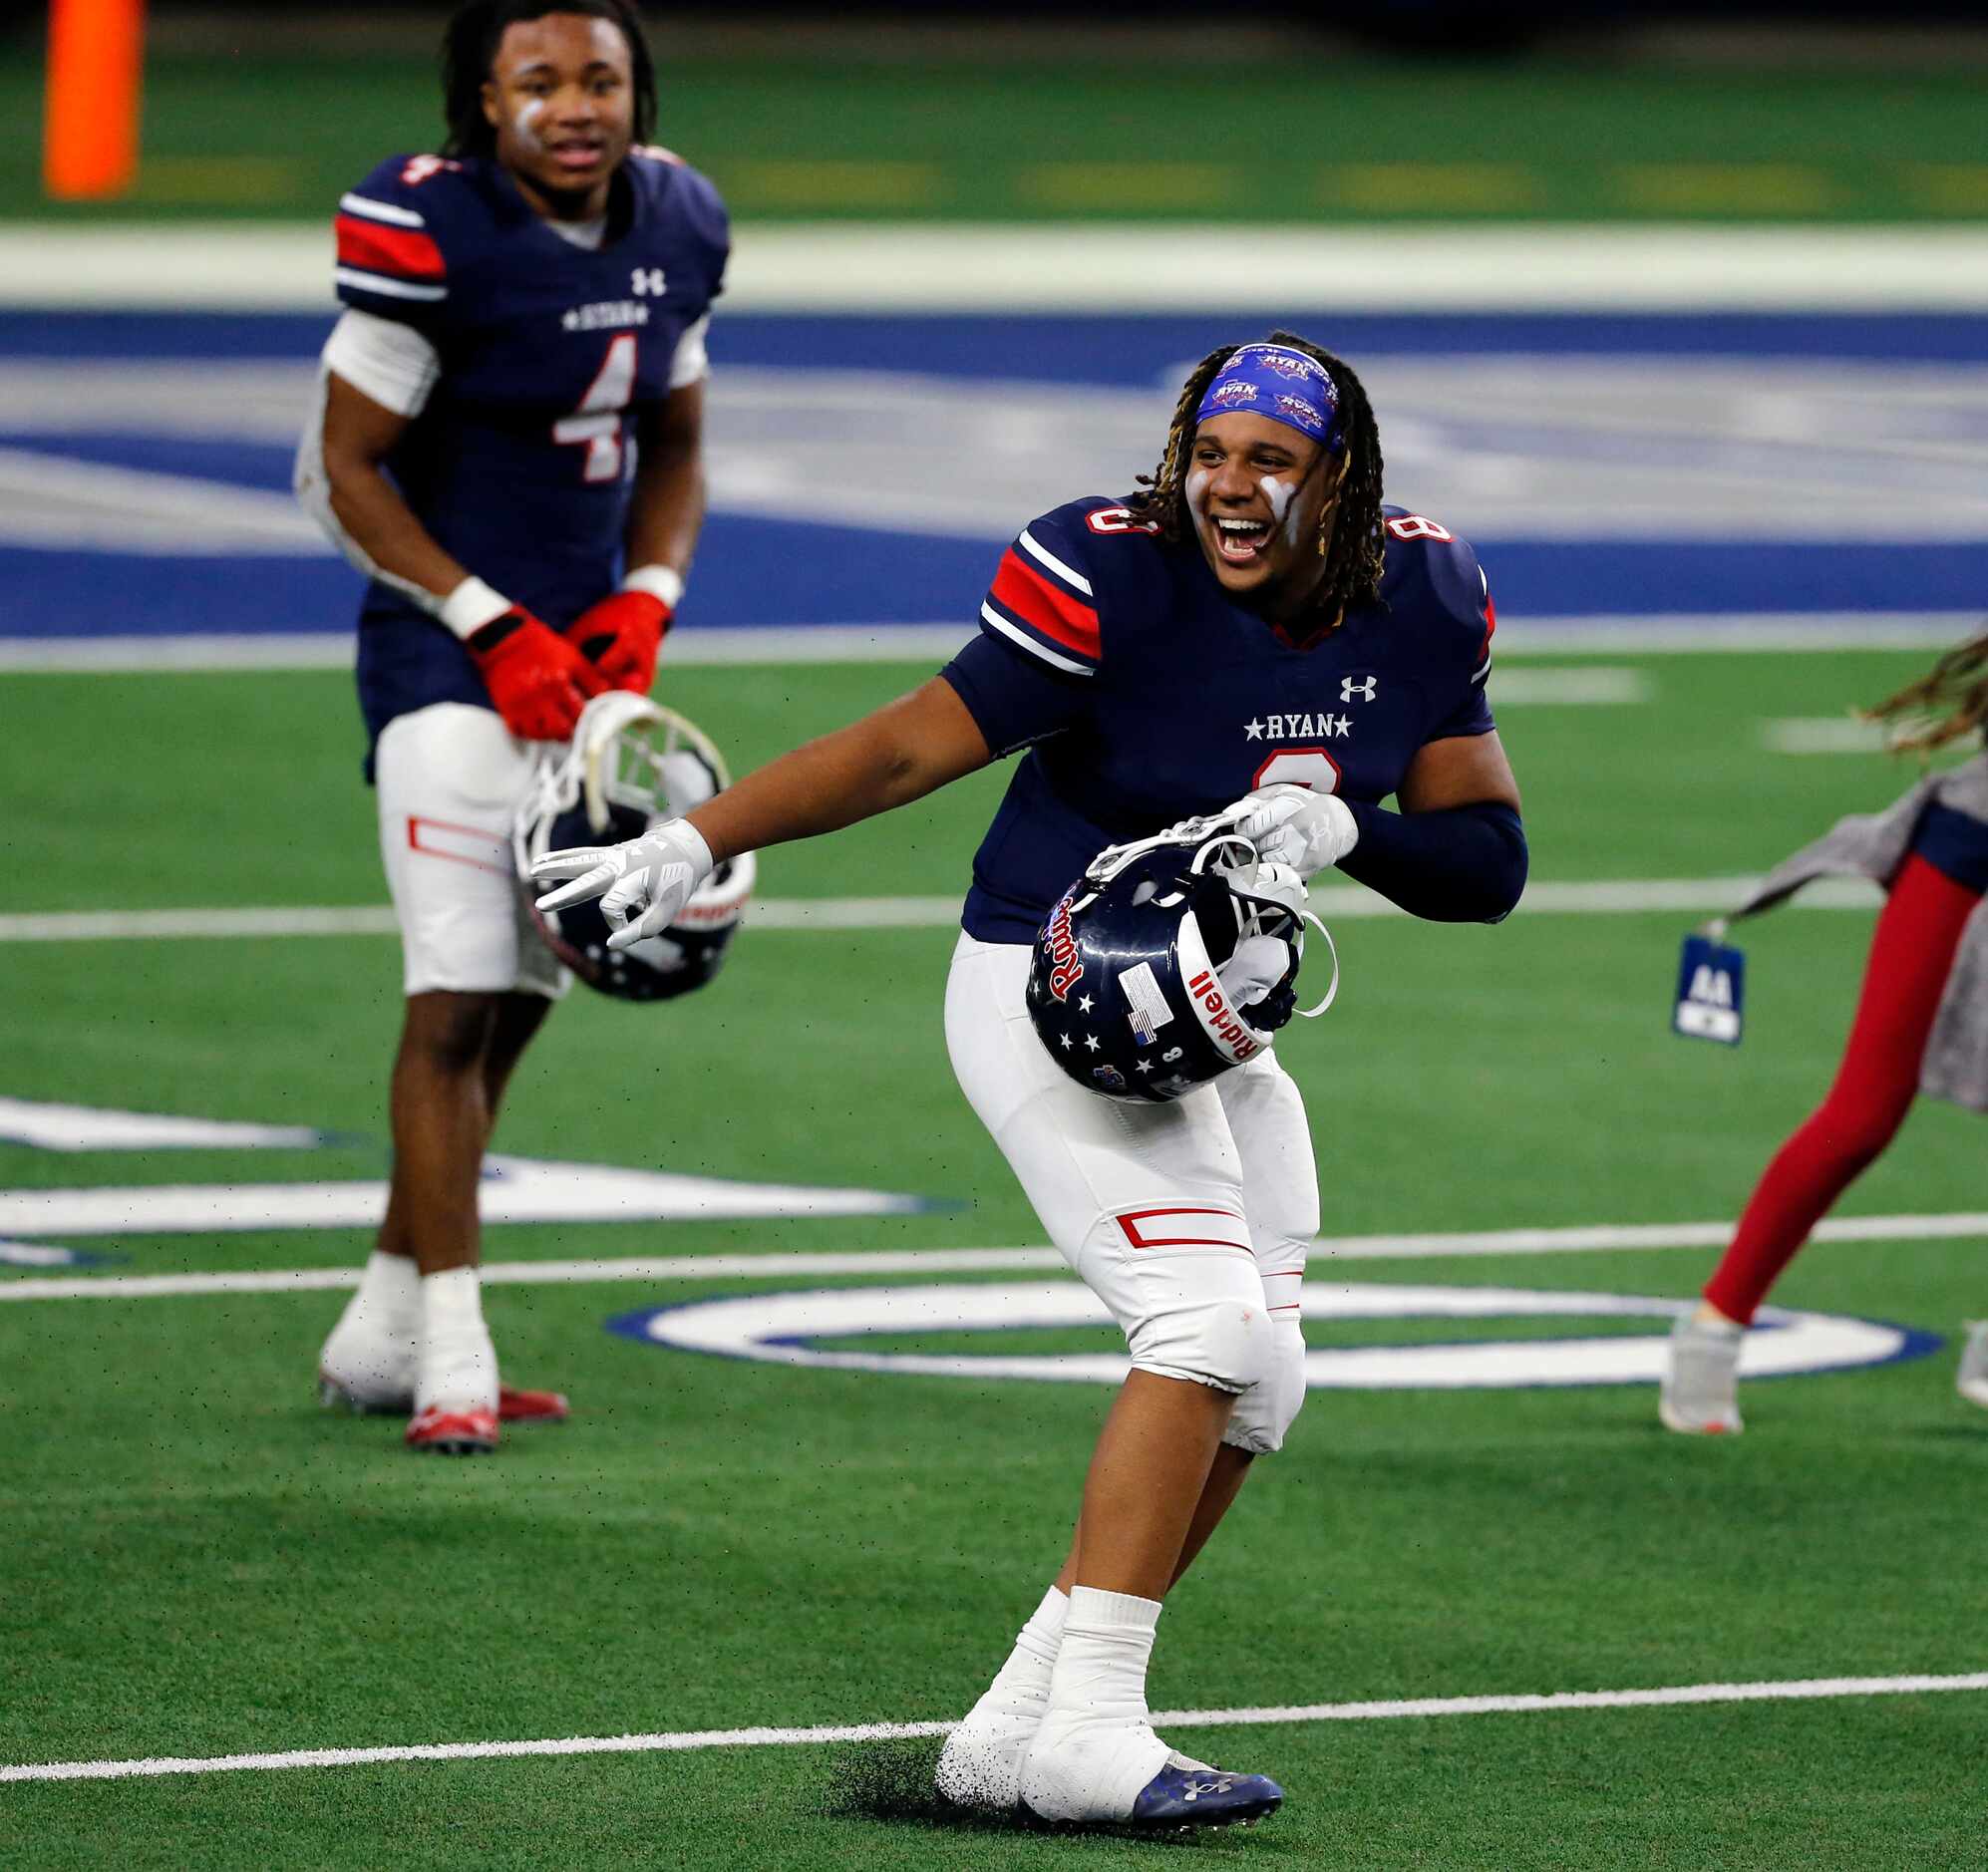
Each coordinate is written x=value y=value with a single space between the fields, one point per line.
x=1143 y=694
x=520 y=463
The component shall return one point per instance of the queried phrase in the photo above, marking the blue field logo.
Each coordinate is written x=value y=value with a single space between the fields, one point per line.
x=791 y=1328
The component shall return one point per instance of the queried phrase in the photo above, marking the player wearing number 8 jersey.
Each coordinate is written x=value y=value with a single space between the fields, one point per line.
x=507 y=441
x=1254 y=624
x=1180 y=698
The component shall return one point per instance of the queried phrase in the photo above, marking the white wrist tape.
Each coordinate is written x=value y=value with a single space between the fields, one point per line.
x=471 y=606
x=658 y=582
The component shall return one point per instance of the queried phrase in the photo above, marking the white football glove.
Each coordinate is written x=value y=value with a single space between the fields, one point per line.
x=1259 y=965
x=649 y=878
x=1309 y=831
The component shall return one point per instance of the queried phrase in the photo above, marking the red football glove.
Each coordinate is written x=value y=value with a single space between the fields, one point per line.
x=539 y=682
x=622 y=637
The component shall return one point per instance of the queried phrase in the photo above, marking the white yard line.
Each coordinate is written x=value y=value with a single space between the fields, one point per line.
x=1475 y=1244
x=1798 y=1690
x=1092 y=266
x=721 y=646
x=1821 y=734
x=1686 y=896
x=1581 y=686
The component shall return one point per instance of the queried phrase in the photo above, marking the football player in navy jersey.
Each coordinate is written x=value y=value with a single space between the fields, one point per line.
x=507 y=441
x=1253 y=629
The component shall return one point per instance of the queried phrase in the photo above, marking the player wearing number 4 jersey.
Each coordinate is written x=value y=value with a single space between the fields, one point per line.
x=1255 y=630
x=507 y=441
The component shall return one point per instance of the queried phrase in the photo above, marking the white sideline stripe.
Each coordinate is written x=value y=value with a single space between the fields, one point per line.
x=1798 y=1690
x=723 y=646
x=1686 y=896
x=1468 y=1244
x=1597 y=685
x=82 y=926
x=1821 y=734
x=553 y=1273
x=1635 y=1236
x=690 y=648
x=1104 y=267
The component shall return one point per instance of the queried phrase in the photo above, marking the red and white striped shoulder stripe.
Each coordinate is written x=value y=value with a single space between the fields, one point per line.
x=385 y=248
x=1046 y=606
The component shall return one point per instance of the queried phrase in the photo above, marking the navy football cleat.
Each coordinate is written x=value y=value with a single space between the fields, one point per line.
x=1199 y=1796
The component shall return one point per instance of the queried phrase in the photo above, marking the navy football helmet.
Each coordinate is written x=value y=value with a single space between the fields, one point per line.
x=630 y=764
x=1124 y=986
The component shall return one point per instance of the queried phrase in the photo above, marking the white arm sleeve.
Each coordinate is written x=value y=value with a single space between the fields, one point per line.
x=395 y=366
x=390 y=362
x=690 y=364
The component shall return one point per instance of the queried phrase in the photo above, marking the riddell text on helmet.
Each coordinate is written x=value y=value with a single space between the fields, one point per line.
x=1220 y=1022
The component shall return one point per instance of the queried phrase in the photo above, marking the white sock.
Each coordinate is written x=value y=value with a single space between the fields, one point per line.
x=459 y=1369
x=1039 y=1640
x=1095 y=1750
x=1026 y=1675
x=371 y=1350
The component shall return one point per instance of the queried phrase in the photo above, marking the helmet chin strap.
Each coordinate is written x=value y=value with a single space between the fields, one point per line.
x=1210 y=828
x=1211 y=834
x=1332 y=987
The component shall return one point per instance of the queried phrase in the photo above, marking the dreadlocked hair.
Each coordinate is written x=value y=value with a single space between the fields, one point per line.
x=1949 y=701
x=469 y=47
x=1350 y=536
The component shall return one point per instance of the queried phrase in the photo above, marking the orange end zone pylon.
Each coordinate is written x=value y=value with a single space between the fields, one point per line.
x=90 y=129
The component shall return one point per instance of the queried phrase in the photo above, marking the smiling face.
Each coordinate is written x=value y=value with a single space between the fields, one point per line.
x=562 y=98
x=1257 y=489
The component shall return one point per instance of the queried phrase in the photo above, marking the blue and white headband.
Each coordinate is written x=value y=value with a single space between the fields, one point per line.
x=1285 y=385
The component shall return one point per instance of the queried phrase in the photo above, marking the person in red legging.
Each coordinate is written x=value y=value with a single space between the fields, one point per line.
x=1921 y=1026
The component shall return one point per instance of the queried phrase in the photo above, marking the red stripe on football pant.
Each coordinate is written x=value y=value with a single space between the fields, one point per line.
x=1138 y=1237
x=381 y=249
x=421 y=837
x=1061 y=618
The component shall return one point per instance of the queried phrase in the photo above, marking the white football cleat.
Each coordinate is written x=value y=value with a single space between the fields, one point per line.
x=1972 y=1378
x=981 y=1763
x=1698 y=1396
x=1078 y=1769
x=366 y=1375
x=1086 y=1779
x=337 y=1392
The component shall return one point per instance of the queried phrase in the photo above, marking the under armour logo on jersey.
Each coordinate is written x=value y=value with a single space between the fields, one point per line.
x=647 y=280
x=1362 y=691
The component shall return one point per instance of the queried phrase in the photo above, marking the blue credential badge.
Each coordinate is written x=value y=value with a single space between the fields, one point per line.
x=1711 y=985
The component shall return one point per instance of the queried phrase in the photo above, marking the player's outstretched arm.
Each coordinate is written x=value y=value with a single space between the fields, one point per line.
x=1455 y=853
x=900 y=753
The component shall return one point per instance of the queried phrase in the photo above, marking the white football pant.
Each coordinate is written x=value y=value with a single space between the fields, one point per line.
x=1189 y=1220
x=449 y=778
